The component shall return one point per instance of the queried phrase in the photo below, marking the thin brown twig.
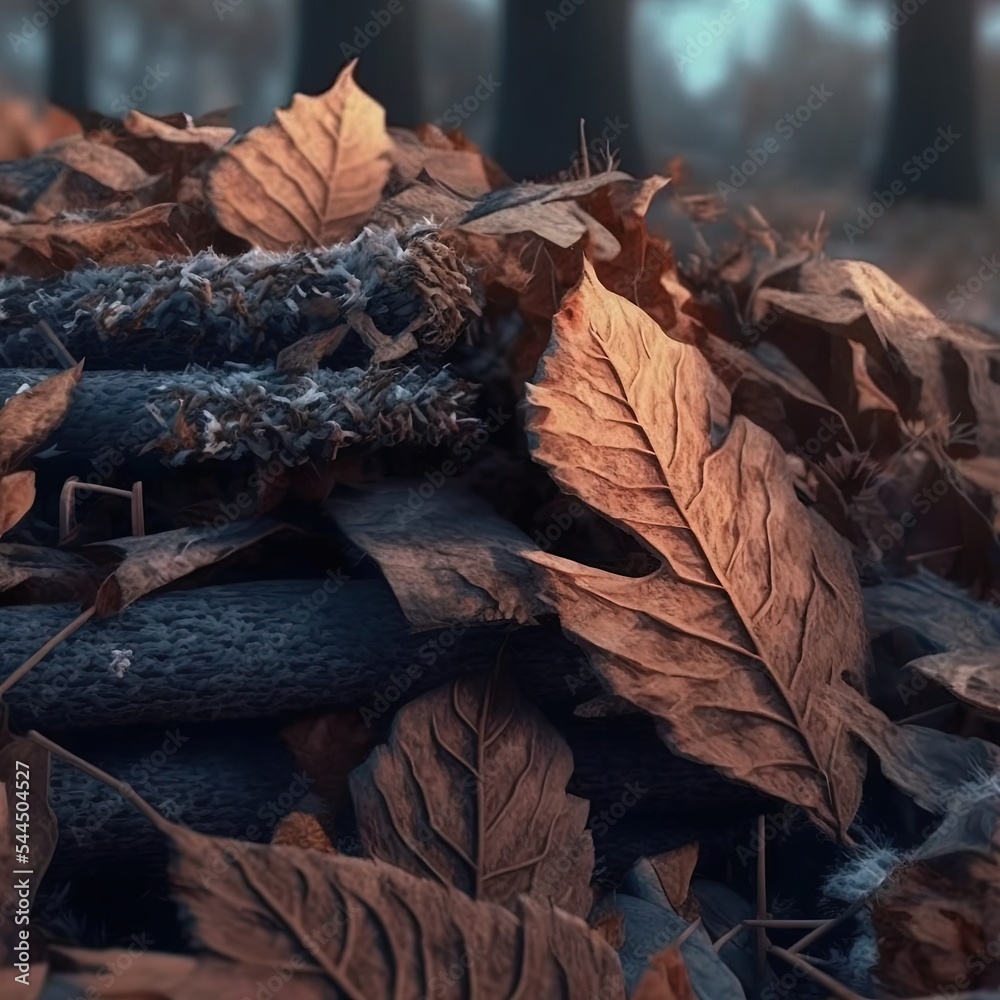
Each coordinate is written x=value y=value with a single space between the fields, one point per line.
x=833 y=922
x=828 y=982
x=57 y=345
x=761 y=894
x=43 y=651
x=122 y=787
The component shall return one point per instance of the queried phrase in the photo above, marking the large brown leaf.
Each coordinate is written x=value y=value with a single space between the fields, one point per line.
x=755 y=606
x=471 y=792
x=375 y=931
x=312 y=176
x=29 y=417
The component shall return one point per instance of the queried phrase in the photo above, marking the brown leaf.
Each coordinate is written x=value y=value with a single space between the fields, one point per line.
x=153 y=561
x=146 y=975
x=447 y=556
x=674 y=870
x=17 y=494
x=312 y=176
x=49 y=576
x=26 y=130
x=328 y=747
x=937 y=915
x=970 y=675
x=173 y=150
x=44 y=249
x=27 y=842
x=29 y=417
x=470 y=791
x=611 y=926
x=756 y=605
x=666 y=978
x=304 y=830
x=429 y=151
x=376 y=931
x=548 y=210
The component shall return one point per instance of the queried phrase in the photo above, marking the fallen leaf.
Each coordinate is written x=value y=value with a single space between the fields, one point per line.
x=373 y=930
x=153 y=561
x=49 y=576
x=428 y=151
x=25 y=129
x=666 y=978
x=312 y=176
x=470 y=791
x=611 y=926
x=674 y=870
x=756 y=605
x=29 y=417
x=134 y=974
x=548 y=210
x=44 y=249
x=447 y=556
x=972 y=676
x=937 y=915
x=304 y=830
x=17 y=494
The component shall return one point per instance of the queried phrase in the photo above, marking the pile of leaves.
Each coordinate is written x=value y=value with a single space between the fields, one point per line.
x=758 y=489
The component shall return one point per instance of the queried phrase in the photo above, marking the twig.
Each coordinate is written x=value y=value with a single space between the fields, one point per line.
x=761 y=894
x=584 y=156
x=38 y=656
x=58 y=346
x=785 y=924
x=816 y=934
x=828 y=982
x=687 y=932
x=122 y=787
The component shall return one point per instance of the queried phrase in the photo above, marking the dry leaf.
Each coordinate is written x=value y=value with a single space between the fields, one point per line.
x=153 y=561
x=448 y=557
x=611 y=926
x=29 y=417
x=470 y=791
x=674 y=870
x=44 y=249
x=134 y=974
x=970 y=675
x=666 y=978
x=26 y=129
x=429 y=151
x=548 y=210
x=937 y=915
x=312 y=176
x=376 y=931
x=17 y=494
x=756 y=605
x=303 y=830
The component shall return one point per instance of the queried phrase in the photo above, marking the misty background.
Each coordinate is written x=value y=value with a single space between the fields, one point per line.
x=711 y=83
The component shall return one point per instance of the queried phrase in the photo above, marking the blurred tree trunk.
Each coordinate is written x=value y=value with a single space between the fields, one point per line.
x=562 y=63
x=67 y=67
x=332 y=32
x=934 y=98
